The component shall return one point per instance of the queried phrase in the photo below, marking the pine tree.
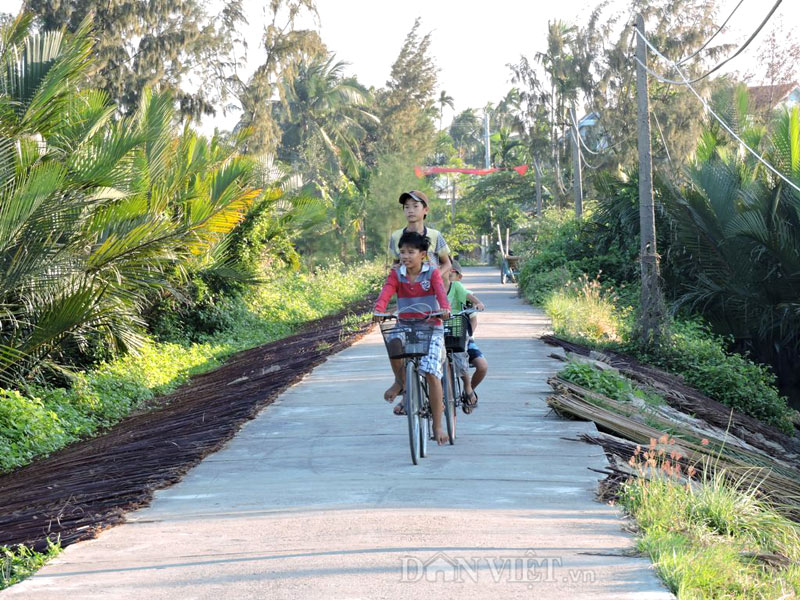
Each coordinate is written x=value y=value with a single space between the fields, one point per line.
x=409 y=105
x=152 y=44
x=286 y=47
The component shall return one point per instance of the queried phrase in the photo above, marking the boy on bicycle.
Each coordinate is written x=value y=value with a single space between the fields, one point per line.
x=420 y=292
x=458 y=296
x=415 y=209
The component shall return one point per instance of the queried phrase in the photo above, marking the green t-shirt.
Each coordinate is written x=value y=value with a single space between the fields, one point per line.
x=457 y=296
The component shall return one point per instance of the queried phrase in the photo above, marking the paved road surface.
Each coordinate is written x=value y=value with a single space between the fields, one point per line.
x=317 y=498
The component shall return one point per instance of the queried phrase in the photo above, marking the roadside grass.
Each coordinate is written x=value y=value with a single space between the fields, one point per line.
x=40 y=420
x=21 y=562
x=588 y=312
x=584 y=311
x=713 y=540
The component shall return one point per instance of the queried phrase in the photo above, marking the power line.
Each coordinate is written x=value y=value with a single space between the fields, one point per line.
x=708 y=41
x=604 y=150
x=720 y=65
x=663 y=139
x=708 y=108
x=579 y=136
x=586 y=163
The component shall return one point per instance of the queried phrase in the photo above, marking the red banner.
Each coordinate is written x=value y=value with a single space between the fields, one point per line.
x=422 y=171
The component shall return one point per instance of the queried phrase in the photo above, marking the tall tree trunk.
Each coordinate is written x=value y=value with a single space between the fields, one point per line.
x=538 y=170
x=652 y=309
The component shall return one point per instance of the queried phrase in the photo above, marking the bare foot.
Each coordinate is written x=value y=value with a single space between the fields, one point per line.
x=441 y=437
x=393 y=392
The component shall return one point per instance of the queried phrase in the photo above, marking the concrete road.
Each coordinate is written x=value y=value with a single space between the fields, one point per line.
x=317 y=497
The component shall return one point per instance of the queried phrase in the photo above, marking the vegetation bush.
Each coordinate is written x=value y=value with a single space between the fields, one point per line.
x=704 y=538
x=586 y=308
x=609 y=383
x=585 y=311
x=561 y=248
x=700 y=356
x=44 y=419
x=20 y=562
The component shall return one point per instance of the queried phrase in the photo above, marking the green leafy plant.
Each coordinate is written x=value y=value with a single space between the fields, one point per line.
x=701 y=358
x=39 y=419
x=609 y=383
x=20 y=562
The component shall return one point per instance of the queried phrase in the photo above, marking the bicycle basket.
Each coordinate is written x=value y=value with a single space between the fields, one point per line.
x=404 y=340
x=456 y=332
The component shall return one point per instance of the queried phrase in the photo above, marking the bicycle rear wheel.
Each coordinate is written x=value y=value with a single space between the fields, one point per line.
x=449 y=398
x=425 y=430
x=412 y=401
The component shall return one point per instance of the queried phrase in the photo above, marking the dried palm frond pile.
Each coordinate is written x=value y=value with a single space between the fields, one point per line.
x=694 y=432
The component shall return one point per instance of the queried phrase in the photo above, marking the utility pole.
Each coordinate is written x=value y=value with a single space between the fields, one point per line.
x=538 y=187
x=577 y=178
x=651 y=317
x=486 y=139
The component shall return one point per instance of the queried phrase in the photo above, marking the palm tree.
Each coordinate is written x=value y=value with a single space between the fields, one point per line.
x=739 y=226
x=95 y=214
x=505 y=148
x=444 y=100
x=466 y=133
x=323 y=111
x=559 y=65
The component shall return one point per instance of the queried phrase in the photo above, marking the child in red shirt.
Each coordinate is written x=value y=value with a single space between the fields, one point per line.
x=420 y=292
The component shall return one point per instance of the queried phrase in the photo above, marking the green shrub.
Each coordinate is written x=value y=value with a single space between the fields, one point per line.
x=44 y=419
x=732 y=379
x=609 y=383
x=536 y=286
x=18 y=563
x=27 y=428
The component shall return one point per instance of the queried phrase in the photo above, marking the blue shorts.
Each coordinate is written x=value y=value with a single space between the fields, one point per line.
x=473 y=351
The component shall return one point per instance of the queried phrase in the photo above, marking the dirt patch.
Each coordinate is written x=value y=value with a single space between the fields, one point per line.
x=90 y=485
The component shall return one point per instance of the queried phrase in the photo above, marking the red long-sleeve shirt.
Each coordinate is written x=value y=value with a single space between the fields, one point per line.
x=427 y=290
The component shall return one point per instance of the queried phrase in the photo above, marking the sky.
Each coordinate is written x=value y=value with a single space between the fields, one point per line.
x=472 y=40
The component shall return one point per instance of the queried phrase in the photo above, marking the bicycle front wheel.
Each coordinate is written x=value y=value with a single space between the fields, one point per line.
x=412 y=400
x=449 y=398
x=425 y=430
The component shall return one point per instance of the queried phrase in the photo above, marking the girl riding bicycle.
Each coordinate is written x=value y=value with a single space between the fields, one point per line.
x=420 y=293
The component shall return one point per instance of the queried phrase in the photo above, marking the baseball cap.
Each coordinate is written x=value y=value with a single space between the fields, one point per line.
x=456 y=267
x=414 y=195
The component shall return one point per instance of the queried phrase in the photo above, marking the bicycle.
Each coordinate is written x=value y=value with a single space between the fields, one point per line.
x=456 y=335
x=410 y=340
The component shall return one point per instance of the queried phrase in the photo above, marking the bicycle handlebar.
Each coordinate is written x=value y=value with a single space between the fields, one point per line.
x=390 y=316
